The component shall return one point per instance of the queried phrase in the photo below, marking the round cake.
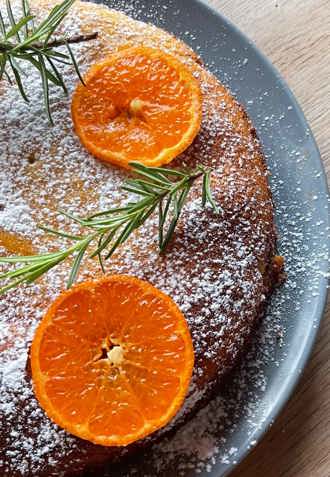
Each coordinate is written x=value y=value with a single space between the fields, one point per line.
x=218 y=268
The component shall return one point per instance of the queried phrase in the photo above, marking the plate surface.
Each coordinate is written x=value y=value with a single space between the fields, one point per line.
x=237 y=419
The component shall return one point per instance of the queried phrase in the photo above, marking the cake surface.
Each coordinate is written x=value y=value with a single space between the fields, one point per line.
x=217 y=269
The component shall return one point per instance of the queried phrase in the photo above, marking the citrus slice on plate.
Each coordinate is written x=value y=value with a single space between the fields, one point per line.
x=112 y=360
x=140 y=104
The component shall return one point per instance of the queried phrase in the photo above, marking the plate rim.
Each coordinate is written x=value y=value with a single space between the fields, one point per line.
x=323 y=290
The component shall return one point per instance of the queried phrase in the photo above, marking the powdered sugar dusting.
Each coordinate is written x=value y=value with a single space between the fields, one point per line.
x=44 y=169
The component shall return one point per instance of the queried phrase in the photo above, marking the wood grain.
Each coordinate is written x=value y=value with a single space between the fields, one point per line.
x=295 y=35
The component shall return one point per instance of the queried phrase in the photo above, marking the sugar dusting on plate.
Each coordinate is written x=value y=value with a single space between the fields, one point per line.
x=242 y=403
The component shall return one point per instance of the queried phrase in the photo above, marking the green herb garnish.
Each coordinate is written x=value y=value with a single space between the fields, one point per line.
x=164 y=190
x=23 y=41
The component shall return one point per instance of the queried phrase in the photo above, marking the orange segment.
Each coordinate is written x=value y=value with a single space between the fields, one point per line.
x=140 y=104
x=112 y=360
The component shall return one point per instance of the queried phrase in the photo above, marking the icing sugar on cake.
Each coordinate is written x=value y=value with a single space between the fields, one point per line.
x=44 y=169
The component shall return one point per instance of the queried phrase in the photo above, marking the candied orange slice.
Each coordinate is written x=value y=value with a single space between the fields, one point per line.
x=112 y=360
x=140 y=104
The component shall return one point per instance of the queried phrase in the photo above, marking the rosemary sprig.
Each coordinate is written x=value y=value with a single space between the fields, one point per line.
x=23 y=41
x=157 y=188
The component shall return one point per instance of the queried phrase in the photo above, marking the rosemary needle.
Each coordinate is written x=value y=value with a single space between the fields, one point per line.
x=156 y=188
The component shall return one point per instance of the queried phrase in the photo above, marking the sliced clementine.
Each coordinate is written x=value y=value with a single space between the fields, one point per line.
x=112 y=360
x=140 y=104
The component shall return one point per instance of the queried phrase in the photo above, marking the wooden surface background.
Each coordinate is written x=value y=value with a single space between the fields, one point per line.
x=295 y=35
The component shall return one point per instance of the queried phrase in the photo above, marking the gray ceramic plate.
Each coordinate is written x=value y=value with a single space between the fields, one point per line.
x=300 y=195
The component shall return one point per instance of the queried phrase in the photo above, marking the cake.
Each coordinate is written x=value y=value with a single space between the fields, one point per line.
x=219 y=268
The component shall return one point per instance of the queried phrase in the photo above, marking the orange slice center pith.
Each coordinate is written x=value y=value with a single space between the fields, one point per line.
x=140 y=104
x=112 y=360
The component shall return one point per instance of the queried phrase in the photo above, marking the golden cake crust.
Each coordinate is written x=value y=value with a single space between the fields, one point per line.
x=217 y=269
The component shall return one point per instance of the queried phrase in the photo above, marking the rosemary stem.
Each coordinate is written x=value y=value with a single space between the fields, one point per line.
x=180 y=184
x=7 y=46
x=71 y=40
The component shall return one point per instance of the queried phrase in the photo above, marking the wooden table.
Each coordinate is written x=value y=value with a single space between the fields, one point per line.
x=295 y=35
